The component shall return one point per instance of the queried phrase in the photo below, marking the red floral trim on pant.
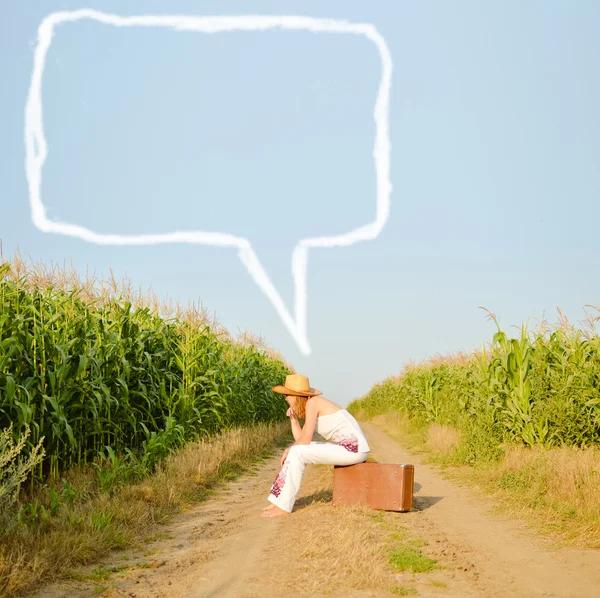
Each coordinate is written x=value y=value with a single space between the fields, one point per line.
x=350 y=443
x=280 y=480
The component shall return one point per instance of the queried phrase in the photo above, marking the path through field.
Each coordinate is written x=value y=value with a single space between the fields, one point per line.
x=222 y=549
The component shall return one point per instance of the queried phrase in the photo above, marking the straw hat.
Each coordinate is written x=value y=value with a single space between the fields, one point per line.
x=297 y=385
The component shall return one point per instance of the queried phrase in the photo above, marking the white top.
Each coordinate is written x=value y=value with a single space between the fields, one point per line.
x=341 y=428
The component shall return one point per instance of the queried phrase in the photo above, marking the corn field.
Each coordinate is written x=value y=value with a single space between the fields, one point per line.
x=89 y=375
x=540 y=388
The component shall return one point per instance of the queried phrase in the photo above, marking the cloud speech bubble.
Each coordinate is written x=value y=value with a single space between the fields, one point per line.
x=36 y=151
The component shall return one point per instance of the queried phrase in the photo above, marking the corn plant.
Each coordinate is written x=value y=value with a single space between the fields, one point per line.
x=537 y=388
x=85 y=373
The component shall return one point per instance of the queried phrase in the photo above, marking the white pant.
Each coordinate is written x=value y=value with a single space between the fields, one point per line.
x=285 y=488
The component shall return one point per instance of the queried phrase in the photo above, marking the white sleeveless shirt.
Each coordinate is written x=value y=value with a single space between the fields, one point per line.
x=341 y=428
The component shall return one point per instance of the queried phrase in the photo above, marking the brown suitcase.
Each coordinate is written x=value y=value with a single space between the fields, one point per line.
x=385 y=486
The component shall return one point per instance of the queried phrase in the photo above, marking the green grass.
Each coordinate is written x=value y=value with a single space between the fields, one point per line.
x=378 y=517
x=409 y=558
x=404 y=591
x=515 y=481
x=103 y=573
x=404 y=552
x=438 y=584
x=98 y=574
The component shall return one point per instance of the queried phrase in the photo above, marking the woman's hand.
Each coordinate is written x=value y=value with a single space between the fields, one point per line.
x=285 y=454
x=291 y=413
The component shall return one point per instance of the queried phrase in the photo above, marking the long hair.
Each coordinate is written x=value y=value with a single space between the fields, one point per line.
x=300 y=406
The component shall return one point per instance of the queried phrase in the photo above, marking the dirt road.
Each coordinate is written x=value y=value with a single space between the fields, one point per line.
x=504 y=558
x=223 y=549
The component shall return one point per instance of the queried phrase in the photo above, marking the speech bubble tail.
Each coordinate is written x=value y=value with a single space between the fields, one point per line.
x=296 y=323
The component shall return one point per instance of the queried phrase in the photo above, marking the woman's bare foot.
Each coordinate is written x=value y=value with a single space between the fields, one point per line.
x=269 y=507
x=274 y=512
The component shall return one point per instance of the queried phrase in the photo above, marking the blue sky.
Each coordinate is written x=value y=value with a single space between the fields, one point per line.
x=495 y=134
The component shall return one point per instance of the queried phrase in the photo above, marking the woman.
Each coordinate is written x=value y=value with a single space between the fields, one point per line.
x=348 y=444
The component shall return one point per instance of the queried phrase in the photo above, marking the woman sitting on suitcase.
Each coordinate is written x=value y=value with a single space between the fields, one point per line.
x=347 y=445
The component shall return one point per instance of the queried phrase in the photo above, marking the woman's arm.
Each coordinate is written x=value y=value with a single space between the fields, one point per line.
x=296 y=428
x=302 y=435
x=310 y=422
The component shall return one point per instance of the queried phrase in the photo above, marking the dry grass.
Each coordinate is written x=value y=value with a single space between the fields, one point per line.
x=558 y=489
x=330 y=544
x=334 y=550
x=81 y=535
x=443 y=440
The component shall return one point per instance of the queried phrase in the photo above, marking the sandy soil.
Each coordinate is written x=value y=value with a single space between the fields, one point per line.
x=223 y=549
